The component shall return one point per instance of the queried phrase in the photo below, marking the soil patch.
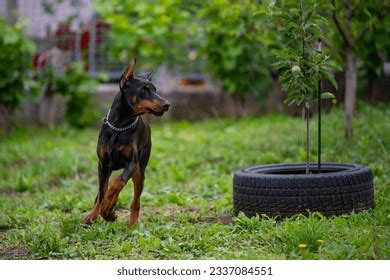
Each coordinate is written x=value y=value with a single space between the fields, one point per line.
x=7 y=190
x=171 y=212
x=4 y=228
x=223 y=219
x=15 y=253
x=21 y=163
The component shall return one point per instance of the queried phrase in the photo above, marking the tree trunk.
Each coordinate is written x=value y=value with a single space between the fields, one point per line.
x=5 y=119
x=275 y=98
x=350 y=91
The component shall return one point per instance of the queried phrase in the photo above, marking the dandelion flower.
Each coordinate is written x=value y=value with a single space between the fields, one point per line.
x=302 y=245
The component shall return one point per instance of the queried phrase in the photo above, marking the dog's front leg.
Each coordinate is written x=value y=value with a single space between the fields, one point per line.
x=104 y=174
x=138 y=180
x=111 y=197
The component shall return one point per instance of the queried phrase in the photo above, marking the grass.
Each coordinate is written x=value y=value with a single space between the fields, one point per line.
x=48 y=181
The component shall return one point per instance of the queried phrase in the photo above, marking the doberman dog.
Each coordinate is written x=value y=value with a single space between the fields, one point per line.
x=124 y=143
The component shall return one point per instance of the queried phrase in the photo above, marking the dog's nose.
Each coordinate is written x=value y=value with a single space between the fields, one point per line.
x=165 y=104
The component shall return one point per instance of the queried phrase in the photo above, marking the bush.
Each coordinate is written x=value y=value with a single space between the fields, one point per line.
x=152 y=31
x=224 y=33
x=15 y=55
x=77 y=86
x=236 y=54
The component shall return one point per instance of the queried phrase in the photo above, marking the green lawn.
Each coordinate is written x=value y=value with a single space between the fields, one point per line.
x=48 y=181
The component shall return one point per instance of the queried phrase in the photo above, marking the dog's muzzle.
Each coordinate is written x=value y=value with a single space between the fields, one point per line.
x=165 y=105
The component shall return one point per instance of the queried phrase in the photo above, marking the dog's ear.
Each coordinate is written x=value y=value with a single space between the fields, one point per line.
x=128 y=74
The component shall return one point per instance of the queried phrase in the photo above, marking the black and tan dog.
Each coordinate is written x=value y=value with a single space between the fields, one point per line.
x=124 y=143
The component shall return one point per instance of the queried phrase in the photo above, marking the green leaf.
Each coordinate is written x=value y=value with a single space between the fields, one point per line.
x=289 y=103
x=309 y=14
x=327 y=95
x=326 y=74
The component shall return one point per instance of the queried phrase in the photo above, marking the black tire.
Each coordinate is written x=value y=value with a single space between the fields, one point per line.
x=283 y=190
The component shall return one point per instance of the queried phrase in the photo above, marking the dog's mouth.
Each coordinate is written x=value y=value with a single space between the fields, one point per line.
x=156 y=113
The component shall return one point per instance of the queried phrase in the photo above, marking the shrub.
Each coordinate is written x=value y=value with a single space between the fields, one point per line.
x=234 y=48
x=77 y=86
x=152 y=31
x=15 y=56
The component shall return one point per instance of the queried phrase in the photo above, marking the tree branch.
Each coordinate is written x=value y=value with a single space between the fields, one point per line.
x=361 y=34
x=336 y=21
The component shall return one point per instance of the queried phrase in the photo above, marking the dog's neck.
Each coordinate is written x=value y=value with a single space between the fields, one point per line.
x=121 y=114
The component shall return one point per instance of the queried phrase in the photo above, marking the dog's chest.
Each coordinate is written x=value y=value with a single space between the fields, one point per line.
x=119 y=155
x=125 y=151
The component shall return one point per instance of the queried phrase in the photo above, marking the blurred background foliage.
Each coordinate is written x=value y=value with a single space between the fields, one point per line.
x=224 y=36
x=156 y=31
x=76 y=85
x=16 y=51
x=233 y=41
x=237 y=46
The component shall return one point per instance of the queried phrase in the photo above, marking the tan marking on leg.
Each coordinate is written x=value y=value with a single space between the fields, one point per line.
x=110 y=199
x=135 y=205
x=102 y=152
x=94 y=214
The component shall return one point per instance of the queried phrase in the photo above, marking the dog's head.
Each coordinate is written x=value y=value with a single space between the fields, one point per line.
x=141 y=94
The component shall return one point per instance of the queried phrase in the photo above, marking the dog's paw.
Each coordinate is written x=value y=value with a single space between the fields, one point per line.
x=133 y=220
x=109 y=216
x=89 y=219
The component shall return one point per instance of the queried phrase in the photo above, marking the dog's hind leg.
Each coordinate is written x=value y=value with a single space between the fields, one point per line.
x=104 y=174
x=111 y=197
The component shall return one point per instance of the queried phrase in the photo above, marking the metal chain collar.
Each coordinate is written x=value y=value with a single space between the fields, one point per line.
x=105 y=121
